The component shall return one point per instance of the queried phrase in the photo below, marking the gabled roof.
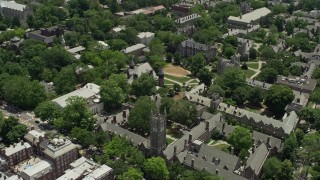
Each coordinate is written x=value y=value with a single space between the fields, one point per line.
x=257 y=159
x=259 y=138
x=130 y=136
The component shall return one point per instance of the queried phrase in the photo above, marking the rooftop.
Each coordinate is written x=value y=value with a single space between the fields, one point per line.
x=297 y=83
x=89 y=90
x=34 y=136
x=57 y=147
x=134 y=48
x=36 y=170
x=251 y=16
x=12 y=5
x=145 y=34
x=12 y=149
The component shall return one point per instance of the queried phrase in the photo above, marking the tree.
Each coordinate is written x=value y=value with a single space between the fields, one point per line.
x=312 y=116
x=113 y=91
x=48 y=110
x=289 y=27
x=132 y=174
x=315 y=96
x=267 y=53
x=295 y=70
x=183 y=112
x=240 y=138
x=11 y=130
x=255 y=95
x=286 y=171
x=240 y=95
x=65 y=81
x=82 y=136
x=289 y=147
x=271 y=168
x=166 y=104
x=140 y=115
x=253 y=53
x=156 y=168
x=215 y=89
x=205 y=76
x=75 y=114
x=22 y=92
x=279 y=22
x=229 y=51
x=231 y=79
x=268 y=75
x=197 y=62
x=143 y=85
x=15 y=22
x=278 y=97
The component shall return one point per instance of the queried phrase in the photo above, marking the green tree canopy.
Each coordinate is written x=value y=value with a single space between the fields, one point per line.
x=11 y=130
x=240 y=138
x=22 y=92
x=139 y=117
x=278 y=97
x=143 y=85
x=184 y=112
x=132 y=174
x=255 y=95
x=231 y=79
x=48 y=110
x=156 y=168
x=215 y=89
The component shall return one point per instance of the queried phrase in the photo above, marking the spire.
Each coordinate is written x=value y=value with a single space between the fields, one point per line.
x=132 y=64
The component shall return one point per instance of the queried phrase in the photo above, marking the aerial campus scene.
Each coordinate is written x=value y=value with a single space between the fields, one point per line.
x=159 y=89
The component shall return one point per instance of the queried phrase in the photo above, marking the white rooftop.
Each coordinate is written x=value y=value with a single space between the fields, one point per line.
x=12 y=5
x=145 y=34
x=33 y=135
x=58 y=147
x=98 y=173
x=12 y=149
x=251 y=16
x=37 y=170
x=84 y=166
x=86 y=92
x=134 y=48
x=76 y=49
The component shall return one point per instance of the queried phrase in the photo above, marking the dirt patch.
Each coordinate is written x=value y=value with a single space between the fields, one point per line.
x=175 y=70
x=179 y=96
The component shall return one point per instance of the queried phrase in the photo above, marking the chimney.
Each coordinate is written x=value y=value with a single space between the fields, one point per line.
x=223 y=126
x=217 y=171
x=253 y=148
x=32 y=128
x=232 y=150
x=268 y=141
x=114 y=119
x=22 y=142
x=207 y=126
x=124 y=114
x=105 y=119
x=175 y=150
x=264 y=83
x=156 y=98
x=190 y=137
x=221 y=118
x=192 y=163
x=185 y=143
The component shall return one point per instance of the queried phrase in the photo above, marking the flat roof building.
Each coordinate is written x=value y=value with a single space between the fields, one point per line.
x=251 y=18
x=42 y=169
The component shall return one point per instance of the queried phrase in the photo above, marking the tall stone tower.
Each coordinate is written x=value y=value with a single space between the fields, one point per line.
x=157 y=133
x=161 y=77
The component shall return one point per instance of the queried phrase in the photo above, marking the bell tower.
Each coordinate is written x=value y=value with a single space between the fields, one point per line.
x=157 y=133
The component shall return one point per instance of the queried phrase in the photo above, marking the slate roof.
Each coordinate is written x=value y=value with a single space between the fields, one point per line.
x=195 y=45
x=212 y=159
x=139 y=70
x=260 y=138
x=257 y=159
x=130 y=136
x=198 y=99
x=263 y=85
x=287 y=125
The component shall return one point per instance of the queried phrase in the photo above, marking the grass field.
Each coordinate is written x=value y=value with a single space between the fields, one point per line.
x=179 y=79
x=253 y=65
x=169 y=140
x=249 y=73
x=222 y=147
x=166 y=82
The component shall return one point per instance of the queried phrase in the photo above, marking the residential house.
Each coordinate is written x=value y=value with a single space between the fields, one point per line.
x=16 y=153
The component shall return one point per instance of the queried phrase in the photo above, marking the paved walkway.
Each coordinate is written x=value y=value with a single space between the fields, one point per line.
x=181 y=84
x=257 y=71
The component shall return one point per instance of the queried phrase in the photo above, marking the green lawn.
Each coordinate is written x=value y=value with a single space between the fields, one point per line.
x=169 y=140
x=222 y=147
x=179 y=79
x=168 y=82
x=253 y=65
x=249 y=73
